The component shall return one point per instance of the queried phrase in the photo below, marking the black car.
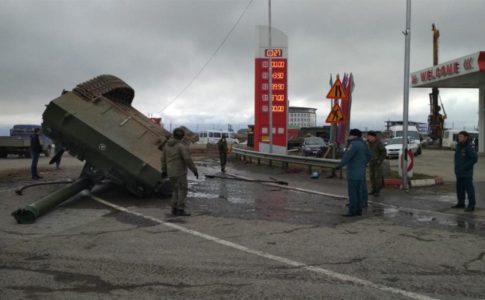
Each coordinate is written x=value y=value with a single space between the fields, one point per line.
x=313 y=146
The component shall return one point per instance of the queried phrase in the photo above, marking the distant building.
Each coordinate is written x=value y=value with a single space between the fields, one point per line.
x=302 y=117
x=421 y=126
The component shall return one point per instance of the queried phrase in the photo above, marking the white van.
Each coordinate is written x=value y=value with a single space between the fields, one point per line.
x=450 y=137
x=413 y=135
x=213 y=136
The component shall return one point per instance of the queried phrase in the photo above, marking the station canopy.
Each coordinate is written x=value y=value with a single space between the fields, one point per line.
x=464 y=72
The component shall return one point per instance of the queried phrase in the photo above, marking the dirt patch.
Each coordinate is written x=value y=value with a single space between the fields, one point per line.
x=14 y=171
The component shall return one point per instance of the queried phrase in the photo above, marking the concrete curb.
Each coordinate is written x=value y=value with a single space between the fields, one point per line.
x=427 y=182
x=415 y=182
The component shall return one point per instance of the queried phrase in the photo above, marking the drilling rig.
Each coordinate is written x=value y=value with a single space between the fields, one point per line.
x=436 y=120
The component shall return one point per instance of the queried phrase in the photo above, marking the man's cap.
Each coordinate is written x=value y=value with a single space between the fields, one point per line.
x=355 y=132
x=372 y=133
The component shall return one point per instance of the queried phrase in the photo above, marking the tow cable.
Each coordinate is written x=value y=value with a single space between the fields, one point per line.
x=20 y=190
x=248 y=180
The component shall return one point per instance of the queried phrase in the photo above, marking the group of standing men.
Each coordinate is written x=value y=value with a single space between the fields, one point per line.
x=176 y=159
x=358 y=155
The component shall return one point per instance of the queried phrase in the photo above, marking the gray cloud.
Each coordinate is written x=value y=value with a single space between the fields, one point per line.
x=158 y=46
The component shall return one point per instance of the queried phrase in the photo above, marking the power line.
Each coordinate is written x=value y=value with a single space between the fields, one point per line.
x=210 y=58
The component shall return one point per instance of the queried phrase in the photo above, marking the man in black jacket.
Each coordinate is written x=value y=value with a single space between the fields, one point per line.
x=35 y=150
x=465 y=158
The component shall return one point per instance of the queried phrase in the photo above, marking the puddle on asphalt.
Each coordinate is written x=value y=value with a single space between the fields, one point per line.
x=425 y=218
x=230 y=199
x=202 y=195
x=239 y=199
x=408 y=216
x=448 y=198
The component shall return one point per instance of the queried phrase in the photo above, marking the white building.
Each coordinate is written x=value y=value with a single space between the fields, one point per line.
x=302 y=117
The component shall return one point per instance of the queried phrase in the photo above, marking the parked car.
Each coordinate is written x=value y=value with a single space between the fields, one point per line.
x=313 y=146
x=394 y=147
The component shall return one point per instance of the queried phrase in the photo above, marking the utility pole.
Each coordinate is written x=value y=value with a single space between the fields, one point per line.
x=407 y=34
x=270 y=82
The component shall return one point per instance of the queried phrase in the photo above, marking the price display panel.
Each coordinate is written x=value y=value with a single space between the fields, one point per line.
x=278 y=101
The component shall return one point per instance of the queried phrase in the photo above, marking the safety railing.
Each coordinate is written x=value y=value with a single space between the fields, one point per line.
x=310 y=162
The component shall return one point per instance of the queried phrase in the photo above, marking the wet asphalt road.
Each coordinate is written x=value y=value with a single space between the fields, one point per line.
x=244 y=240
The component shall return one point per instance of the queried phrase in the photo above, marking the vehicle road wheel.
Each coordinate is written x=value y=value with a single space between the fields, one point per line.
x=419 y=151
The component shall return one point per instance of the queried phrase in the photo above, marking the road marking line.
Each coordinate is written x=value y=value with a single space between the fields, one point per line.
x=280 y=259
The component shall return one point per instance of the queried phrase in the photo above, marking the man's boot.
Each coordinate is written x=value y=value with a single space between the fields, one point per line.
x=459 y=205
x=175 y=212
x=183 y=213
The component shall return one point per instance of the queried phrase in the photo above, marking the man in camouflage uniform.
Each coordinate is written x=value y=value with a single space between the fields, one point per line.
x=378 y=155
x=175 y=161
x=222 y=147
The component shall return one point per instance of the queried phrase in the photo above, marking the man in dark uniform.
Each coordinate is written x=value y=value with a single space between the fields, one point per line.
x=175 y=161
x=355 y=158
x=35 y=150
x=465 y=158
x=58 y=156
x=222 y=147
x=378 y=155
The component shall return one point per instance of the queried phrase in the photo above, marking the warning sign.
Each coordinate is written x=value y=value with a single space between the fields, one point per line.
x=336 y=115
x=337 y=91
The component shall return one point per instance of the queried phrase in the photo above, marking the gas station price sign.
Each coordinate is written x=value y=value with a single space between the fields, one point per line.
x=275 y=105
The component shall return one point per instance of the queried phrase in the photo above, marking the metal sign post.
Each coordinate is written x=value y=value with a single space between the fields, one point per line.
x=337 y=91
x=270 y=81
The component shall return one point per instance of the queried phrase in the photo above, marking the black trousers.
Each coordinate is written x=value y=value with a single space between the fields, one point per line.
x=464 y=186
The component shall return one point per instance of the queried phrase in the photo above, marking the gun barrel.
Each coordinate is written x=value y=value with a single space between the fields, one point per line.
x=29 y=213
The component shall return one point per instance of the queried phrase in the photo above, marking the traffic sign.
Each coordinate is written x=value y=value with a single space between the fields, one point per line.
x=337 y=91
x=336 y=115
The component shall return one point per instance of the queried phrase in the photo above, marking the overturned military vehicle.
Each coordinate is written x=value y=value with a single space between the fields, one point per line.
x=96 y=123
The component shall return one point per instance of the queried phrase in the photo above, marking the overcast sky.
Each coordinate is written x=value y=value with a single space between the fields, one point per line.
x=158 y=46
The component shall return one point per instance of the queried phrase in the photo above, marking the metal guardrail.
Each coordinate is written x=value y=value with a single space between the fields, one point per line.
x=287 y=159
